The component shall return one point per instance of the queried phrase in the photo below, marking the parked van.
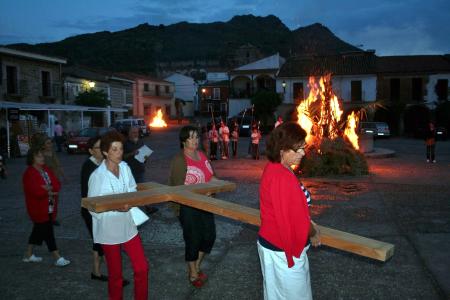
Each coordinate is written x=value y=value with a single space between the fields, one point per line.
x=123 y=125
x=378 y=129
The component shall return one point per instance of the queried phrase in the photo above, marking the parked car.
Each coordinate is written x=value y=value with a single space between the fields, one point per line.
x=123 y=125
x=378 y=129
x=77 y=143
x=441 y=133
x=245 y=124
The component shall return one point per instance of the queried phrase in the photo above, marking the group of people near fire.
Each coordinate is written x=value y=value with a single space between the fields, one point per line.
x=218 y=138
x=285 y=234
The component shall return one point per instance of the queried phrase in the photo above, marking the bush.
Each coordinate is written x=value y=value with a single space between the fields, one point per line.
x=333 y=157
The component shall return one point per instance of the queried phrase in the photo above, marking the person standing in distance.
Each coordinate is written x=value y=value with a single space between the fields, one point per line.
x=130 y=149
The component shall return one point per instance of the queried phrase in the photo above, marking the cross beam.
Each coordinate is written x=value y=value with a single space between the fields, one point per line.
x=196 y=196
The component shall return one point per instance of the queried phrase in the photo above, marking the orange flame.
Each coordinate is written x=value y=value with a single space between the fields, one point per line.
x=158 y=120
x=325 y=122
x=350 y=130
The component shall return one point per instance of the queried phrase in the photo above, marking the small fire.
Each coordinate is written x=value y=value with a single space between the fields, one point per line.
x=320 y=114
x=158 y=120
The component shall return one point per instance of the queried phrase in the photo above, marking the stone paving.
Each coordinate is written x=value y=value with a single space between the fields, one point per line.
x=404 y=201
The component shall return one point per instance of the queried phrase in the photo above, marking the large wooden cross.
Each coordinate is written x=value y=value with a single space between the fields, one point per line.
x=195 y=196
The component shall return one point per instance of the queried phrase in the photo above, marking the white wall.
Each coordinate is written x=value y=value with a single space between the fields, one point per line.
x=216 y=76
x=431 y=97
x=186 y=89
x=237 y=105
x=341 y=87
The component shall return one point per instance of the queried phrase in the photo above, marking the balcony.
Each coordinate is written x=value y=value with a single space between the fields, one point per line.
x=15 y=92
x=154 y=94
x=52 y=93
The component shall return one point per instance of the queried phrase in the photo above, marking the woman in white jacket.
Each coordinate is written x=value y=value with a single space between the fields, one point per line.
x=116 y=230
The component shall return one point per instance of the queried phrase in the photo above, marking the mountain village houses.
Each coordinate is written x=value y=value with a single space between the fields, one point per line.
x=38 y=89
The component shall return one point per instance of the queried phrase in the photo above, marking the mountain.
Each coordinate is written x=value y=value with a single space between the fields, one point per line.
x=146 y=48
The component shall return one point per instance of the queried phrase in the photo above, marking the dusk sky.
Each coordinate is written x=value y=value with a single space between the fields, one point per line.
x=391 y=27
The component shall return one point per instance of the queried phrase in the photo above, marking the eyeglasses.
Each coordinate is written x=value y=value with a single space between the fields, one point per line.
x=300 y=149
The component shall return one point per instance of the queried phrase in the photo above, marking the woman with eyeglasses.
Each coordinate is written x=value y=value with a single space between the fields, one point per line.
x=286 y=230
x=191 y=166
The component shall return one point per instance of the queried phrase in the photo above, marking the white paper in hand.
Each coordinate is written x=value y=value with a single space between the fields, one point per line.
x=139 y=217
x=143 y=153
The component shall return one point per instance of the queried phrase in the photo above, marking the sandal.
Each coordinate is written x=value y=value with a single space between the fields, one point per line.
x=196 y=282
x=202 y=276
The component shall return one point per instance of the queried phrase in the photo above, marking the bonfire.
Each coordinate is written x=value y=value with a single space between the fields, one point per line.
x=158 y=120
x=332 y=141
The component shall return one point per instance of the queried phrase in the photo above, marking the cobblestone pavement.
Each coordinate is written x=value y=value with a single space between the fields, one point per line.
x=404 y=201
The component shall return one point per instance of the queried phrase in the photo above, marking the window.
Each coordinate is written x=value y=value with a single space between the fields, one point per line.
x=298 y=91
x=157 y=90
x=441 y=89
x=356 y=92
x=146 y=87
x=395 y=89
x=416 y=89
x=216 y=93
x=11 y=80
x=167 y=89
x=46 y=86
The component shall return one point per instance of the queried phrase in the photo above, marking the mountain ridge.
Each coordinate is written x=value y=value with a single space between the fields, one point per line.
x=149 y=48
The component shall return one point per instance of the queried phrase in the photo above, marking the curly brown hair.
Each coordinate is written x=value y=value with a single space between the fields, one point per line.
x=286 y=136
x=108 y=138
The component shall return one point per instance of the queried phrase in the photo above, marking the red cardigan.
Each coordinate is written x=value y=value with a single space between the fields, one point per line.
x=36 y=197
x=284 y=212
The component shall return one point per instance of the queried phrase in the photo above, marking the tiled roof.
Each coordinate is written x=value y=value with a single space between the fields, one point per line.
x=84 y=73
x=135 y=76
x=354 y=64
x=351 y=64
x=216 y=83
x=413 y=64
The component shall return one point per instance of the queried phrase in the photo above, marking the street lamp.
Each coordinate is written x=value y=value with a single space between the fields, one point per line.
x=283 y=84
x=91 y=84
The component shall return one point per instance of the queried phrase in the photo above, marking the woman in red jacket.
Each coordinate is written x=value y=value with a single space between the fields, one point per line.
x=41 y=189
x=285 y=221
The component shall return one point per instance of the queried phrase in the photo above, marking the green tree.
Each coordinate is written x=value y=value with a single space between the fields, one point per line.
x=265 y=103
x=92 y=98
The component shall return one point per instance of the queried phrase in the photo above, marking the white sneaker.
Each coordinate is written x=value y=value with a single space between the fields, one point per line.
x=434 y=161
x=32 y=258
x=62 y=262
x=428 y=160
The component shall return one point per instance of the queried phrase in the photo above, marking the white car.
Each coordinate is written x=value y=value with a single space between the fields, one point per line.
x=378 y=129
x=123 y=125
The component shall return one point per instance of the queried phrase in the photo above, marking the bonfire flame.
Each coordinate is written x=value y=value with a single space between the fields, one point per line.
x=320 y=114
x=158 y=120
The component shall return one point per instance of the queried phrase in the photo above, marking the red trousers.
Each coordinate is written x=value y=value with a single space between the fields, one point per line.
x=139 y=263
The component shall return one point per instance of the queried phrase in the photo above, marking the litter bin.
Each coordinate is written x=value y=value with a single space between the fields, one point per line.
x=365 y=142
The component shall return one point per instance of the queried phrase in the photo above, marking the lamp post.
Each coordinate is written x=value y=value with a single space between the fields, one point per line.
x=91 y=84
x=283 y=84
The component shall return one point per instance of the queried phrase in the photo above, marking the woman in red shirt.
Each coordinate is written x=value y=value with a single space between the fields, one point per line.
x=285 y=221
x=41 y=189
x=191 y=166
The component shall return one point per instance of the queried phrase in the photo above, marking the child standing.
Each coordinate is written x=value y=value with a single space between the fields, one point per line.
x=256 y=136
x=234 y=137
x=213 y=140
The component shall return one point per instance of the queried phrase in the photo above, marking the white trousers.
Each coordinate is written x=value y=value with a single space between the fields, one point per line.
x=281 y=282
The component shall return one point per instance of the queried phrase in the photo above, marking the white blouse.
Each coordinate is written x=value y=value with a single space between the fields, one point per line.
x=112 y=227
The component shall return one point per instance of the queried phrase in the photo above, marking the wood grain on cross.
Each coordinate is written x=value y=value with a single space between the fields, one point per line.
x=196 y=196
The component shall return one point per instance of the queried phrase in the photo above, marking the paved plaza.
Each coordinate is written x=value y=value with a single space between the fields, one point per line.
x=404 y=201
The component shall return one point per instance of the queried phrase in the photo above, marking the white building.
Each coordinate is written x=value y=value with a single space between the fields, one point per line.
x=186 y=91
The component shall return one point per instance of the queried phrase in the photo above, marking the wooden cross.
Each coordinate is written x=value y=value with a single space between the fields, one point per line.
x=195 y=196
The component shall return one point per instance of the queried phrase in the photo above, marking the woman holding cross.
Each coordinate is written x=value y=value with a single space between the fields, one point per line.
x=286 y=230
x=116 y=230
x=191 y=166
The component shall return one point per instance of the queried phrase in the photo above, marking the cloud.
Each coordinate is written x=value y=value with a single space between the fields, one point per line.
x=388 y=40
